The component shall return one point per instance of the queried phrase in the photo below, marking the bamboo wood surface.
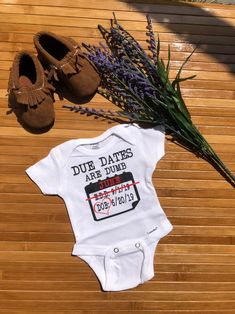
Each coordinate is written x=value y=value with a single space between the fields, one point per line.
x=195 y=263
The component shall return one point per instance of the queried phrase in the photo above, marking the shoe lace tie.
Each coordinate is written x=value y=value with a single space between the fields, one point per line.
x=32 y=96
x=72 y=65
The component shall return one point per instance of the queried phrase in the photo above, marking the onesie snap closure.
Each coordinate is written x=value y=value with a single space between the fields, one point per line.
x=127 y=265
x=125 y=247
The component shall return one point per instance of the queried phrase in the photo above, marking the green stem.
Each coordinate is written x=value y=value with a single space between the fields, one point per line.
x=215 y=160
x=207 y=153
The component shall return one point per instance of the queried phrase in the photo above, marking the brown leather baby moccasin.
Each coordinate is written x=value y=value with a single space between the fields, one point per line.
x=66 y=64
x=30 y=94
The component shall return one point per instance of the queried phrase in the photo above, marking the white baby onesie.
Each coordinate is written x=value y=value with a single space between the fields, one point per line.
x=106 y=184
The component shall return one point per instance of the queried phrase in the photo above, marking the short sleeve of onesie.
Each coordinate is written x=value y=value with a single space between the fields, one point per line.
x=46 y=172
x=152 y=143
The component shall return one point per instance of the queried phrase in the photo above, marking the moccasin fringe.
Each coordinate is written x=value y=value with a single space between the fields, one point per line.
x=73 y=65
x=33 y=97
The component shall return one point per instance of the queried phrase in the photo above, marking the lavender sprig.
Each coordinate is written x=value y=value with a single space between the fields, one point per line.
x=153 y=47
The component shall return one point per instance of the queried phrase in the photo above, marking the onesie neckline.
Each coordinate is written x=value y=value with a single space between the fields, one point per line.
x=115 y=131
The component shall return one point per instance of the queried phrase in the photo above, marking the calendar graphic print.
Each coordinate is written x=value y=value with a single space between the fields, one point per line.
x=112 y=196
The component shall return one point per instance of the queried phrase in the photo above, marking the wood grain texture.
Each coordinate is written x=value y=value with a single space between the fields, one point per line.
x=195 y=263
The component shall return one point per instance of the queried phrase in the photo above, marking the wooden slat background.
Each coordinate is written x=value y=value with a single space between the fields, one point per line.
x=195 y=264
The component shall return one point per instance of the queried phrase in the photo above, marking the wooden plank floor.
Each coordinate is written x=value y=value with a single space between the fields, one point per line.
x=195 y=264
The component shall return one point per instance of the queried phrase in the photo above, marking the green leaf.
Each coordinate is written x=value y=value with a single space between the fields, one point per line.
x=185 y=61
x=158 y=46
x=162 y=73
x=168 y=60
x=184 y=125
x=179 y=100
x=181 y=107
x=178 y=80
